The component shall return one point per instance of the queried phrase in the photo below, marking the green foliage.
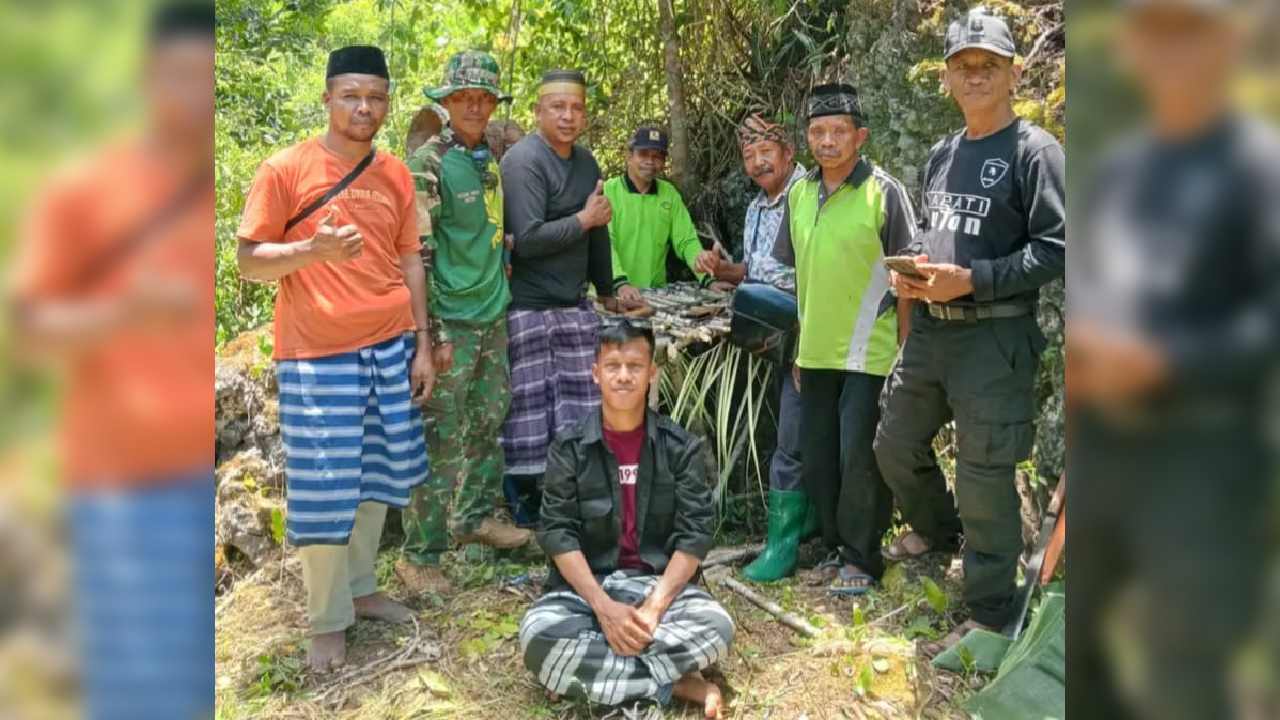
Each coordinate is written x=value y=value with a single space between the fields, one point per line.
x=938 y=599
x=721 y=394
x=491 y=630
x=277 y=525
x=277 y=674
x=920 y=627
x=471 y=571
x=863 y=684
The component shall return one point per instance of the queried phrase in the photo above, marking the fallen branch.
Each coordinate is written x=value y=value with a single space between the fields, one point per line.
x=730 y=555
x=877 y=647
x=889 y=615
x=792 y=621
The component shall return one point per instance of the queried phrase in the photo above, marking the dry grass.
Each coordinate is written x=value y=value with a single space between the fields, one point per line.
x=771 y=673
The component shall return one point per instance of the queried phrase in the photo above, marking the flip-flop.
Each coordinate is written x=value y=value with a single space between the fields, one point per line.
x=827 y=571
x=897 y=551
x=844 y=577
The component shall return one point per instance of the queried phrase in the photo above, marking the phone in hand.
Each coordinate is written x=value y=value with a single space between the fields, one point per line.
x=904 y=265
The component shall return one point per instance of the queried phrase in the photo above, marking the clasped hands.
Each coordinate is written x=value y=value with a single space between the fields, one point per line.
x=629 y=629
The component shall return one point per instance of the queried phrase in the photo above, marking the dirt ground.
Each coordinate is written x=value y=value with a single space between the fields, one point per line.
x=462 y=660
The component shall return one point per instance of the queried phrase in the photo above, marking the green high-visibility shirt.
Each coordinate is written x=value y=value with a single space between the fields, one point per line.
x=644 y=225
x=837 y=243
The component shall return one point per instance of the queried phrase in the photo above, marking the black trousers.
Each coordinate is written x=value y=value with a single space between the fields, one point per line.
x=855 y=507
x=1178 y=515
x=982 y=374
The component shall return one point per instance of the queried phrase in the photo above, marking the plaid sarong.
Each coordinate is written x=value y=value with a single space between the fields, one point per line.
x=350 y=434
x=551 y=353
x=565 y=648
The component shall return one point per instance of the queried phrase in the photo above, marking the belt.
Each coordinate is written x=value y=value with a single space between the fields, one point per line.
x=974 y=313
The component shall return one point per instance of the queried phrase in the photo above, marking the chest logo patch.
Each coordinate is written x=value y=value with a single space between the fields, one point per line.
x=993 y=171
x=627 y=474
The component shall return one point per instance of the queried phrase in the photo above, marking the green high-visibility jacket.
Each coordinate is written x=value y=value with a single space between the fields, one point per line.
x=837 y=243
x=643 y=227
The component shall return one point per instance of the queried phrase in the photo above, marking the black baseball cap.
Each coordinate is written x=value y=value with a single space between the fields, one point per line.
x=648 y=137
x=979 y=29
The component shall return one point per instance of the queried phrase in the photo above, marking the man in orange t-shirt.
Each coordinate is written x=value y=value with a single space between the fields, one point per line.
x=114 y=287
x=352 y=350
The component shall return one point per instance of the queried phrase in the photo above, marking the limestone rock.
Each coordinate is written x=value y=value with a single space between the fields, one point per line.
x=246 y=409
x=246 y=513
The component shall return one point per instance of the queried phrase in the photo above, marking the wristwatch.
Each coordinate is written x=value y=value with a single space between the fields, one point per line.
x=439 y=336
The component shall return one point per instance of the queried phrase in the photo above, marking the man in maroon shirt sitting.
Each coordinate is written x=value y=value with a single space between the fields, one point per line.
x=626 y=520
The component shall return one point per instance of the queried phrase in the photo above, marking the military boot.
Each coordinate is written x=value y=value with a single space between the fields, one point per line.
x=496 y=533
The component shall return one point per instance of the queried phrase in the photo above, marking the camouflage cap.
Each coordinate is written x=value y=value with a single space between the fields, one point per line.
x=469 y=69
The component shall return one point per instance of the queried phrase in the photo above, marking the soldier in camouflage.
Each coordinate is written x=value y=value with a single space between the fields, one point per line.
x=459 y=199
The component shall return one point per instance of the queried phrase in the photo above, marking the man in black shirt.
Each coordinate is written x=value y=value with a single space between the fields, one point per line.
x=1172 y=337
x=994 y=198
x=555 y=209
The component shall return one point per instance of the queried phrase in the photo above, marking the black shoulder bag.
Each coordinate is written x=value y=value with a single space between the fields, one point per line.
x=343 y=184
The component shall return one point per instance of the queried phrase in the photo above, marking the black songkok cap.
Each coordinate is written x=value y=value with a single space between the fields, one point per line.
x=835 y=99
x=357 y=59
x=180 y=19
x=563 y=81
x=569 y=76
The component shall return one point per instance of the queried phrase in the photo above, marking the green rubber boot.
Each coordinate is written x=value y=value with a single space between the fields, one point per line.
x=786 y=521
x=811 y=527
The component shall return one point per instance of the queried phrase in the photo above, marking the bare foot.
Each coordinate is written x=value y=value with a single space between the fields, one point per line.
x=695 y=689
x=378 y=606
x=328 y=651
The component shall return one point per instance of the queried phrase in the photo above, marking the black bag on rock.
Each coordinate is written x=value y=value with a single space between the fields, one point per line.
x=765 y=322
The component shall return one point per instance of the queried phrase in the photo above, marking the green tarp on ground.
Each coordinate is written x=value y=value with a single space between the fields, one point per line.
x=1032 y=681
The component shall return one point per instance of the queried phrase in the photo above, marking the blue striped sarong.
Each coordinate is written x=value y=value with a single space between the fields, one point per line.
x=143 y=598
x=350 y=434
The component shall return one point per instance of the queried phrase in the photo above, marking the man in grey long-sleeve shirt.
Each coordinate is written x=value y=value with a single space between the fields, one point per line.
x=550 y=210
x=554 y=208
x=995 y=198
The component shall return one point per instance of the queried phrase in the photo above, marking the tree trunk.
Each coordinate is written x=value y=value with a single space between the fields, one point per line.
x=682 y=174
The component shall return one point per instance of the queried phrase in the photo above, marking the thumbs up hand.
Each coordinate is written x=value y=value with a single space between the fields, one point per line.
x=597 y=212
x=334 y=243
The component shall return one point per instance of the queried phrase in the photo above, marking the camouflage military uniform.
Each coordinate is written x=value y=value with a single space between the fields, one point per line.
x=459 y=198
